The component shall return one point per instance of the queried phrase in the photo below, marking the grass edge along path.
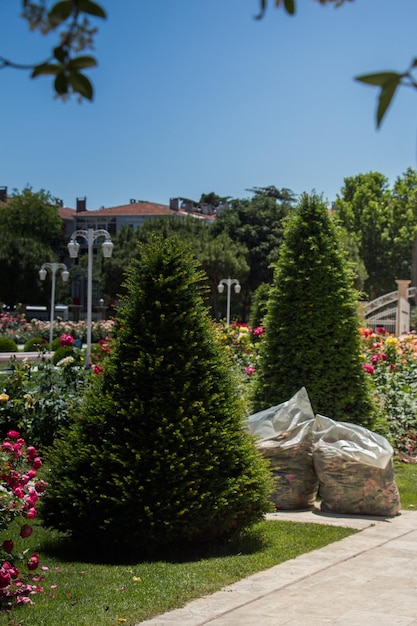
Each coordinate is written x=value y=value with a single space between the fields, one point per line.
x=98 y=594
x=105 y=595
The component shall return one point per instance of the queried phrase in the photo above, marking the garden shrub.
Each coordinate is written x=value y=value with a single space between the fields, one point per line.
x=7 y=345
x=311 y=327
x=37 y=399
x=35 y=344
x=158 y=455
x=61 y=353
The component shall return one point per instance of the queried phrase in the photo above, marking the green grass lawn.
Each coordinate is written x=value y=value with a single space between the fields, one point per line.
x=99 y=594
x=406 y=477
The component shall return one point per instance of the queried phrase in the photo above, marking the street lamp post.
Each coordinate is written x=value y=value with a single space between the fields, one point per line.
x=220 y=288
x=54 y=267
x=90 y=236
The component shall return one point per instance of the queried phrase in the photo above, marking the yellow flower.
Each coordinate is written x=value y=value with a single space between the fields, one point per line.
x=391 y=341
x=121 y=619
x=4 y=397
x=137 y=579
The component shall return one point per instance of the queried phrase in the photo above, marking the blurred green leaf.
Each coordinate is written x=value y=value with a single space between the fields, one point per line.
x=61 y=84
x=92 y=8
x=385 y=97
x=81 y=84
x=82 y=62
x=61 y=11
x=46 y=68
x=379 y=79
x=289 y=6
x=60 y=54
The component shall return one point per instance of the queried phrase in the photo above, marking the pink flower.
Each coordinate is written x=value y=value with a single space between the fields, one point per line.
x=258 y=331
x=250 y=370
x=368 y=368
x=36 y=463
x=378 y=357
x=97 y=369
x=13 y=434
x=66 y=340
x=31 y=452
x=30 y=513
x=4 y=578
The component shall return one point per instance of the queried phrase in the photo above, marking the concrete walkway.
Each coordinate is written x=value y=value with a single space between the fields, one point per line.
x=367 y=579
x=24 y=356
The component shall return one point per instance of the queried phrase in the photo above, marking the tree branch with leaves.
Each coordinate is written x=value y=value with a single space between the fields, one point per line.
x=71 y=22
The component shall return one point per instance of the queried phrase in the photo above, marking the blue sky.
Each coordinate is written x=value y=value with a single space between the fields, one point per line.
x=194 y=96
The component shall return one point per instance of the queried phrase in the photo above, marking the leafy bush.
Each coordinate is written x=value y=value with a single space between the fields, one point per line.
x=20 y=491
x=311 y=327
x=37 y=399
x=157 y=455
x=63 y=352
x=7 y=345
x=391 y=365
x=35 y=344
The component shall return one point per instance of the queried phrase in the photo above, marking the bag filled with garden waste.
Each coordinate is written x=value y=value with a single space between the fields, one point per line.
x=285 y=434
x=355 y=469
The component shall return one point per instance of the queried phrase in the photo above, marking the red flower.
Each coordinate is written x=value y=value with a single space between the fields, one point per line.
x=368 y=368
x=26 y=531
x=8 y=545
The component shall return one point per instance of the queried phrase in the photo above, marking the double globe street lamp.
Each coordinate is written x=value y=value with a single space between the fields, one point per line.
x=220 y=288
x=90 y=236
x=54 y=267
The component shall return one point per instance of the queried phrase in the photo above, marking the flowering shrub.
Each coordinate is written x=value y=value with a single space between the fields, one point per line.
x=391 y=363
x=18 y=328
x=37 y=398
x=19 y=493
x=242 y=341
x=99 y=352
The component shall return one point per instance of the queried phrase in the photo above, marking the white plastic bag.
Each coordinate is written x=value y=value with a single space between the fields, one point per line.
x=285 y=435
x=355 y=469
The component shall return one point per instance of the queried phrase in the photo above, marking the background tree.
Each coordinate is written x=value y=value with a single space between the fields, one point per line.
x=160 y=456
x=381 y=224
x=311 y=327
x=31 y=233
x=257 y=224
x=363 y=210
x=403 y=227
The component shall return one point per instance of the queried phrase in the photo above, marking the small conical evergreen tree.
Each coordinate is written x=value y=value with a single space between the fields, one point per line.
x=311 y=337
x=159 y=454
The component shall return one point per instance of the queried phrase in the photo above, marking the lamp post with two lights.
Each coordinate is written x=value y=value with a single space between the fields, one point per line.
x=220 y=288
x=90 y=236
x=54 y=267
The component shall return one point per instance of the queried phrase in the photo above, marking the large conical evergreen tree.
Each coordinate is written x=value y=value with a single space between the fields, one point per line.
x=159 y=455
x=311 y=337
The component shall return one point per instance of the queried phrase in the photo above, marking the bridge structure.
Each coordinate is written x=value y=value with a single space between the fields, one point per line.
x=392 y=310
